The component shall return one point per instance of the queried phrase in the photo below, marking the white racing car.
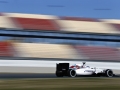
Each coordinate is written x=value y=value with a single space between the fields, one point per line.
x=63 y=69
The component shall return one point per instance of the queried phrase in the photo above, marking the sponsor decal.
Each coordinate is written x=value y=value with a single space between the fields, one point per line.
x=88 y=71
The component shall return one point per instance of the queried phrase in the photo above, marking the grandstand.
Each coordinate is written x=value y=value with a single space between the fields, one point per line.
x=6 y=23
x=114 y=23
x=35 y=22
x=85 y=25
x=58 y=51
x=49 y=22
x=99 y=53
x=41 y=50
x=50 y=48
x=6 y=49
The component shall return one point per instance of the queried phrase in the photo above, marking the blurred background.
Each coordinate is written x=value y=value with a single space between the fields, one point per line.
x=60 y=29
x=49 y=36
x=64 y=30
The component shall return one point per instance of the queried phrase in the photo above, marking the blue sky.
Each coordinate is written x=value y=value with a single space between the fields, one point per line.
x=79 y=8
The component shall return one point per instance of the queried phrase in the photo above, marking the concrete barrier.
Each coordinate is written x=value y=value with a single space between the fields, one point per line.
x=42 y=63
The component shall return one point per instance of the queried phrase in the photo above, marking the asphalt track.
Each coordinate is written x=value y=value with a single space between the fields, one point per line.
x=26 y=75
x=30 y=75
x=32 y=72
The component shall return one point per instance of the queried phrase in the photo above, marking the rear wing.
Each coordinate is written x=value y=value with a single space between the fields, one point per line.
x=62 y=66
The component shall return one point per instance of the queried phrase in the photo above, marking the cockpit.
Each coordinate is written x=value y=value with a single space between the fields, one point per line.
x=78 y=66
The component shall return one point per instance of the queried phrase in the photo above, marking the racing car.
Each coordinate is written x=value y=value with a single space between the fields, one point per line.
x=64 y=69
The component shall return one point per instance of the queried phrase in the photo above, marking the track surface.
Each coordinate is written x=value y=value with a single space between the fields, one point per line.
x=30 y=72
x=24 y=75
x=13 y=75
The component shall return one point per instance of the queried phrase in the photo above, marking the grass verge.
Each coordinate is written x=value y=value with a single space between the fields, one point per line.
x=61 y=83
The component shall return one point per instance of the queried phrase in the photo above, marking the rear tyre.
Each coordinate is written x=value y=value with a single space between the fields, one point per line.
x=109 y=73
x=72 y=73
x=59 y=74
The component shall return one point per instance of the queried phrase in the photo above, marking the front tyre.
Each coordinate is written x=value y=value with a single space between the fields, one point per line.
x=109 y=73
x=72 y=73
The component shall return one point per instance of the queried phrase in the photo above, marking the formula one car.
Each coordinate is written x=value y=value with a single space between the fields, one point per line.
x=63 y=69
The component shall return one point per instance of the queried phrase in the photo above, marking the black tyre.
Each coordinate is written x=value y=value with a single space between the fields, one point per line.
x=59 y=74
x=109 y=73
x=72 y=73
